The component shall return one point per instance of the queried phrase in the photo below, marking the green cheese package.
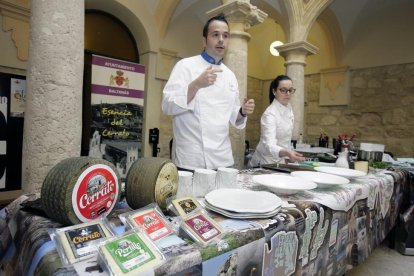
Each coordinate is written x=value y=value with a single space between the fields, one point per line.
x=149 y=219
x=133 y=253
x=80 y=242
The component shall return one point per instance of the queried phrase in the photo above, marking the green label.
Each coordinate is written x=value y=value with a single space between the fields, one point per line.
x=130 y=252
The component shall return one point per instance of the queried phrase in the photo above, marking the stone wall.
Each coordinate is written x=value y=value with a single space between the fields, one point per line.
x=256 y=91
x=381 y=109
x=165 y=131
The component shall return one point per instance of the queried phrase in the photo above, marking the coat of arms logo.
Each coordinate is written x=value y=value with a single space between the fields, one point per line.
x=119 y=79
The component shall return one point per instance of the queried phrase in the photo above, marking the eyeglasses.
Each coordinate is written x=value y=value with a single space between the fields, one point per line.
x=285 y=91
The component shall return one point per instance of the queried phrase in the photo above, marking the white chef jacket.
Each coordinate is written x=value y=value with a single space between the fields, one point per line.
x=201 y=127
x=276 y=133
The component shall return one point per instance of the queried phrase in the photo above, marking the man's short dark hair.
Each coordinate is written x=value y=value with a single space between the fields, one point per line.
x=219 y=17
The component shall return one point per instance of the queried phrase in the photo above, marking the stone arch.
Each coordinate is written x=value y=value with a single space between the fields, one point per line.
x=273 y=13
x=261 y=64
x=330 y=25
x=132 y=21
x=164 y=13
x=117 y=42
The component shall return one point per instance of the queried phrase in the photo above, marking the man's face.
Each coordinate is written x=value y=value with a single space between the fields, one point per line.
x=217 y=39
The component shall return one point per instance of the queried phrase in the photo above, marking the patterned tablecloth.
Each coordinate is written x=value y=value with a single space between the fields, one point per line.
x=318 y=231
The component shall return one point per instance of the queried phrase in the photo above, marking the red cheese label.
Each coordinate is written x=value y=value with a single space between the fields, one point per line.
x=154 y=225
x=95 y=192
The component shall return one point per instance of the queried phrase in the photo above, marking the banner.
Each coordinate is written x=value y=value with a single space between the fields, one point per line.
x=3 y=141
x=17 y=97
x=12 y=90
x=117 y=105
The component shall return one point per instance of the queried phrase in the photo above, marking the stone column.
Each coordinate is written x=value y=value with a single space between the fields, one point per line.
x=241 y=15
x=53 y=111
x=295 y=54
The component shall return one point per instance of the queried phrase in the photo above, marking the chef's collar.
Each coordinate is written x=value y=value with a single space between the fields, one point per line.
x=210 y=59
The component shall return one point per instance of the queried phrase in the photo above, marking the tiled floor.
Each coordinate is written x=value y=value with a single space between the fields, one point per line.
x=385 y=261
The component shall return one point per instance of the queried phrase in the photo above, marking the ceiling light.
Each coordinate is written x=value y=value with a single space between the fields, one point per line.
x=272 y=49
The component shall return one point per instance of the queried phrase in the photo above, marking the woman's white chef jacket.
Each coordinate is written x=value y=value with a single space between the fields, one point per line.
x=276 y=133
x=201 y=127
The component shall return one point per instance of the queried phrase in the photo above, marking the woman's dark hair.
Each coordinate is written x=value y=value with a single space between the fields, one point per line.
x=274 y=84
x=219 y=17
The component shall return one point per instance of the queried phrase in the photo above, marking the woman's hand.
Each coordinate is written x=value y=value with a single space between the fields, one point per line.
x=294 y=156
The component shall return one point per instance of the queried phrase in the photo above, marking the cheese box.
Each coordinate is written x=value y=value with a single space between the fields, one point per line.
x=151 y=221
x=80 y=242
x=201 y=227
x=185 y=205
x=131 y=254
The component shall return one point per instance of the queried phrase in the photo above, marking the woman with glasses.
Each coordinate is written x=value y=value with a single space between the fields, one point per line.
x=277 y=126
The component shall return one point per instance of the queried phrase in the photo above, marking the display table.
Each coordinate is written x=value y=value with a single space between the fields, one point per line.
x=404 y=240
x=317 y=231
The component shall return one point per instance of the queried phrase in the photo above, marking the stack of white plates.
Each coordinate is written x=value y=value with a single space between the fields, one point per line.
x=243 y=204
x=283 y=184
x=323 y=180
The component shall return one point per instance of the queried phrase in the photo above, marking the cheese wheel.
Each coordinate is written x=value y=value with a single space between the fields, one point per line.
x=151 y=180
x=80 y=189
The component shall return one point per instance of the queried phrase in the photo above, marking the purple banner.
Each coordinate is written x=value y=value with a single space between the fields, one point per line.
x=114 y=91
x=118 y=64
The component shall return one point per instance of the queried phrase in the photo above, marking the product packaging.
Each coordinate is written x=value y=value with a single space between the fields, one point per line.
x=201 y=227
x=150 y=220
x=80 y=242
x=130 y=254
x=185 y=205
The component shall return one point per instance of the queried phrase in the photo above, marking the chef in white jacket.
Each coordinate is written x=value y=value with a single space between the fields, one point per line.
x=202 y=95
x=277 y=126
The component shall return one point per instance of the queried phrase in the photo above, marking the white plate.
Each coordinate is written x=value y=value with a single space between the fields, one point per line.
x=324 y=180
x=283 y=184
x=237 y=215
x=348 y=173
x=243 y=201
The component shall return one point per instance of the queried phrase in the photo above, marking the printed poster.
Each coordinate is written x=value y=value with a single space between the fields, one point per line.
x=3 y=141
x=17 y=97
x=117 y=105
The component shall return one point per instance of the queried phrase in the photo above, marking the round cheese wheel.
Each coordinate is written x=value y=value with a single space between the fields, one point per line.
x=80 y=189
x=149 y=180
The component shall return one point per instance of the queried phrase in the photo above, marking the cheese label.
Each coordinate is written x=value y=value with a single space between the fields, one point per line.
x=130 y=252
x=185 y=205
x=95 y=192
x=80 y=239
x=154 y=224
x=202 y=227
x=166 y=184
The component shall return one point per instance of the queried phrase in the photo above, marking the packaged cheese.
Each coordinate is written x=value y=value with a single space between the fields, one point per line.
x=80 y=242
x=186 y=205
x=201 y=227
x=131 y=254
x=149 y=219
